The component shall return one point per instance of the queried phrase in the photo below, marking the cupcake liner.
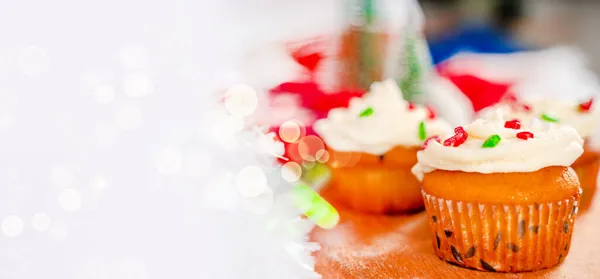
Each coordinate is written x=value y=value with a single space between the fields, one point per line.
x=376 y=189
x=501 y=237
x=588 y=178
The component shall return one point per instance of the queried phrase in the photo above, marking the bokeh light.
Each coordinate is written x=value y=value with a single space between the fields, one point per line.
x=131 y=268
x=59 y=231
x=291 y=171
x=292 y=131
x=251 y=181
x=309 y=146
x=99 y=183
x=134 y=57
x=137 y=84
x=169 y=161
x=105 y=94
x=128 y=117
x=62 y=176
x=32 y=60
x=322 y=156
x=223 y=129
x=8 y=105
x=91 y=79
x=196 y=164
x=92 y=268
x=4 y=121
x=41 y=222
x=95 y=177
x=308 y=164
x=70 y=200
x=241 y=101
x=4 y=60
x=106 y=135
x=13 y=173
x=12 y=225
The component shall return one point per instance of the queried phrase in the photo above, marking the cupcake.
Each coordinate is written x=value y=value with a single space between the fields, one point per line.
x=499 y=198
x=584 y=117
x=372 y=146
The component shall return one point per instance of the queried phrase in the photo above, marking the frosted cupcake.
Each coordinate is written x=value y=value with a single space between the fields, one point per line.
x=373 y=145
x=501 y=198
x=584 y=117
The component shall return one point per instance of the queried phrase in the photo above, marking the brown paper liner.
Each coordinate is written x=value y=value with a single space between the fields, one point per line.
x=376 y=189
x=588 y=178
x=501 y=238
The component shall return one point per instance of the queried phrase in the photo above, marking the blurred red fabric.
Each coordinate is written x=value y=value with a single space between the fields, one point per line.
x=481 y=93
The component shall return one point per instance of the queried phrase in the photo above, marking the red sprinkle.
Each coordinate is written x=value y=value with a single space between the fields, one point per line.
x=585 y=107
x=460 y=136
x=431 y=112
x=411 y=106
x=527 y=108
x=525 y=135
x=426 y=143
x=513 y=124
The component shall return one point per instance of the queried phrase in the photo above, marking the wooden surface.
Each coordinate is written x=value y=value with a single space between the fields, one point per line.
x=371 y=246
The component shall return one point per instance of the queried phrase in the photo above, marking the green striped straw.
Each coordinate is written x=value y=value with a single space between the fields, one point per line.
x=315 y=207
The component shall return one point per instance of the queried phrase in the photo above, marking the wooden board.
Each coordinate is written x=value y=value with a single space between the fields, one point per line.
x=371 y=246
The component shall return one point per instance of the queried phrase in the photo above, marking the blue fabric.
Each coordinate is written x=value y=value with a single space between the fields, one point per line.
x=471 y=38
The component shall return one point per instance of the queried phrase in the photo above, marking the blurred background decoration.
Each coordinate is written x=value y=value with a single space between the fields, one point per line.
x=502 y=26
x=459 y=56
x=487 y=48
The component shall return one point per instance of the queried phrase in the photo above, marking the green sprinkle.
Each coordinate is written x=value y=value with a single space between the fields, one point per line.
x=367 y=112
x=422 y=131
x=315 y=207
x=492 y=141
x=549 y=118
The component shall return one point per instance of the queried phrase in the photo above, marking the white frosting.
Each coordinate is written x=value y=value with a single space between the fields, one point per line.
x=566 y=111
x=391 y=123
x=552 y=145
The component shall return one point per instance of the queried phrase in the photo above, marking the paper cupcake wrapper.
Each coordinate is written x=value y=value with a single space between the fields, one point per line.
x=588 y=178
x=501 y=238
